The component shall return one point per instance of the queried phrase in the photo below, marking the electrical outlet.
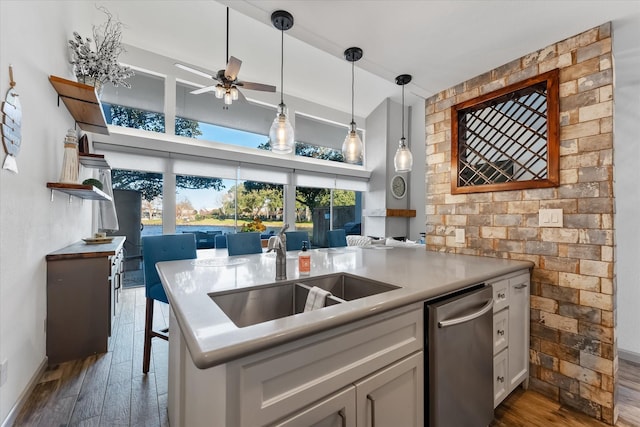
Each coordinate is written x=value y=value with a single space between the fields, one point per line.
x=4 y=371
x=460 y=235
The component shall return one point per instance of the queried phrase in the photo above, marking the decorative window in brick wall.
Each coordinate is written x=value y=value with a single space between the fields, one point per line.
x=507 y=139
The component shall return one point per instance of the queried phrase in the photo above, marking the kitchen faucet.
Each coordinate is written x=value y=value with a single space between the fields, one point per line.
x=279 y=245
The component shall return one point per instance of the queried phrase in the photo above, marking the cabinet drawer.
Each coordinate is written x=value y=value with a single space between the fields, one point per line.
x=294 y=375
x=336 y=410
x=500 y=331
x=500 y=294
x=500 y=369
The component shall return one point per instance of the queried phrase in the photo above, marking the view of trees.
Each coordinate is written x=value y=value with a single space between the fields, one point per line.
x=148 y=183
x=253 y=198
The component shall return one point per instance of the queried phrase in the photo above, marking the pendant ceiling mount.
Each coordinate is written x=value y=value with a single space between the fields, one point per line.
x=282 y=20
x=353 y=54
x=403 y=79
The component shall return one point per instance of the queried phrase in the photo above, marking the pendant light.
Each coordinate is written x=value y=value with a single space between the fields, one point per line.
x=352 y=145
x=403 y=160
x=281 y=132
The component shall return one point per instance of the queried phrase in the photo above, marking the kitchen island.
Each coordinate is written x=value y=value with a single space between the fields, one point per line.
x=211 y=359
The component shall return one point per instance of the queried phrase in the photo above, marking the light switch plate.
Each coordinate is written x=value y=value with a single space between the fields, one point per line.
x=459 y=235
x=550 y=218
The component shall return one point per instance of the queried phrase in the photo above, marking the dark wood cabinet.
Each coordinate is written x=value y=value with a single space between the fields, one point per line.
x=83 y=283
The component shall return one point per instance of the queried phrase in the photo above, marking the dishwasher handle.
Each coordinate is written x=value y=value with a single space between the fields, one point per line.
x=445 y=323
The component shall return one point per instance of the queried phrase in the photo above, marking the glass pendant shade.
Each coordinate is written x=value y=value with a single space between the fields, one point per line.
x=227 y=98
x=281 y=132
x=234 y=93
x=403 y=160
x=352 y=146
x=219 y=91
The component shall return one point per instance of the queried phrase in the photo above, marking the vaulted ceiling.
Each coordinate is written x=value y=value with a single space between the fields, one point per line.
x=441 y=43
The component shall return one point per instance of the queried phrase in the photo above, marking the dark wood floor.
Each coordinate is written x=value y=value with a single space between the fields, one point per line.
x=110 y=389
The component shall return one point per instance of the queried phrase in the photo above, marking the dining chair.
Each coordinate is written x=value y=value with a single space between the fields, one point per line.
x=244 y=243
x=336 y=238
x=221 y=241
x=295 y=239
x=168 y=247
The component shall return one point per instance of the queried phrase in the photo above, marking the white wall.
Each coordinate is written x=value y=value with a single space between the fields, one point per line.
x=33 y=38
x=417 y=182
x=626 y=50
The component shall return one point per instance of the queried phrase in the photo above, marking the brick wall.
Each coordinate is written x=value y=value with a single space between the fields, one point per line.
x=573 y=352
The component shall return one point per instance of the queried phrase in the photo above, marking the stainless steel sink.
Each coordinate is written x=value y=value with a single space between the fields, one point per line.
x=246 y=307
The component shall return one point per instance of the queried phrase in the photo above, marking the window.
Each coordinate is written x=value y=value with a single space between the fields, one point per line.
x=140 y=106
x=507 y=139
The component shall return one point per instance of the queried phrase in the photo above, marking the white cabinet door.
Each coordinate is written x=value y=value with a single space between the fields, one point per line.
x=393 y=396
x=518 y=330
x=337 y=410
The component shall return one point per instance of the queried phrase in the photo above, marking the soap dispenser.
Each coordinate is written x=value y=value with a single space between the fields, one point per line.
x=304 y=260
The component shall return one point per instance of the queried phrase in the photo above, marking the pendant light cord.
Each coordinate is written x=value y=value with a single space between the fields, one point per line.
x=353 y=67
x=281 y=66
x=402 y=111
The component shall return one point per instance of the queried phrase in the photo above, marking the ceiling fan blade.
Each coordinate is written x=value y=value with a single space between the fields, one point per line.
x=233 y=68
x=194 y=71
x=203 y=90
x=257 y=86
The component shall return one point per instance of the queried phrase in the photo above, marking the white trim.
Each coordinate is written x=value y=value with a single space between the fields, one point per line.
x=24 y=396
x=630 y=356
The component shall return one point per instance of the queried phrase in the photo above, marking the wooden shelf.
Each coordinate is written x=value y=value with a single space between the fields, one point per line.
x=83 y=104
x=407 y=213
x=95 y=161
x=88 y=192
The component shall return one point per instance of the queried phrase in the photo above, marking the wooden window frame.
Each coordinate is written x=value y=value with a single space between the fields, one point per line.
x=553 y=136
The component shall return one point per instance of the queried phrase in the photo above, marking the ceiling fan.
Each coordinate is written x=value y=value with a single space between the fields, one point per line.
x=228 y=83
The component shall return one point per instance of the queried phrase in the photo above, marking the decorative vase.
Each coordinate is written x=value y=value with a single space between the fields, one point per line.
x=92 y=81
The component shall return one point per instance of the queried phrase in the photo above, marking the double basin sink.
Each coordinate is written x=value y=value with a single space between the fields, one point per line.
x=250 y=306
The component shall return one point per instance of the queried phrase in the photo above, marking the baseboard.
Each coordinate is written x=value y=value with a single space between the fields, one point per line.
x=630 y=356
x=11 y=417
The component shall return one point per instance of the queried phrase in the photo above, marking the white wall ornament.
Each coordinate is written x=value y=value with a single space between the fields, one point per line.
x=11 y=125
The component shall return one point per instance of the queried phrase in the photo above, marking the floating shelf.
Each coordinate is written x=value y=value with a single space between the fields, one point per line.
x=407 y=213
x=88 y=192
x=95 y=161
x=83 y=104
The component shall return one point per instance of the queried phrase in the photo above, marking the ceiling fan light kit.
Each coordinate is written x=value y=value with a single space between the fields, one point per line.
x=352 y=146
x=403 y=160
x=281 y=134
x=228 y=83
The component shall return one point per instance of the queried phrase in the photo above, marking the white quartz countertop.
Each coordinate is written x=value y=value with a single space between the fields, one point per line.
x=212 y=338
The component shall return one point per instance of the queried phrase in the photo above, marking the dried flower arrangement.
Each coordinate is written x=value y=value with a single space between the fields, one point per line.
x=102 y=63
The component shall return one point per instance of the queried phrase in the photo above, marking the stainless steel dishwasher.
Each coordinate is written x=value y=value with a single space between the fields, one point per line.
x=459 y=345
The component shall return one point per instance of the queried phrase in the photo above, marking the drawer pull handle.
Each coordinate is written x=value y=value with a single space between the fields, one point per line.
x=500 y=379
x=343 y=417
x=521 y=286
x=501 y=295
x=500 y=331
x=373 y=410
